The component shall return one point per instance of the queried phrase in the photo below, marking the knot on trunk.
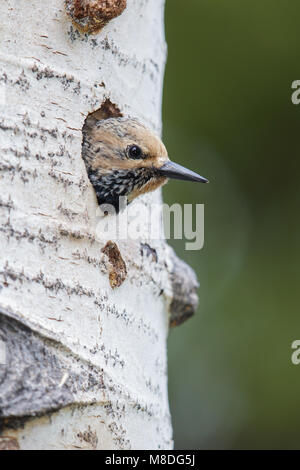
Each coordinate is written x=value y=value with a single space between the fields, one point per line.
x=91 y=15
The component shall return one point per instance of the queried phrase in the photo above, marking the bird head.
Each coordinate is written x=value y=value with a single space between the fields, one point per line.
x=125 y=158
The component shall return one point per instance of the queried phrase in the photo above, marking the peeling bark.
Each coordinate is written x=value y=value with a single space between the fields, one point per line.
x=8 y=443
x=184 y=287
x=85 y=365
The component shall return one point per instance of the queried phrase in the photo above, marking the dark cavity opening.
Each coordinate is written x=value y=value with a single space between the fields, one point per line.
x=107 y=110
x=89 y=146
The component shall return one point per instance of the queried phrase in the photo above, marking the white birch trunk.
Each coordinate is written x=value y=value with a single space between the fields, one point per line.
x=84 y=364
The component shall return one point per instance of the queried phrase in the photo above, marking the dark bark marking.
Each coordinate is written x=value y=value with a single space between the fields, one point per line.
x=89 y=436
x=149 y=251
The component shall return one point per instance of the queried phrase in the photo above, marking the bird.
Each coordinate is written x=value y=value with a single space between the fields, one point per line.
x=123 y=157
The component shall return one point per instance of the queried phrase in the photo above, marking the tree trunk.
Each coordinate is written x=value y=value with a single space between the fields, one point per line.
x=83 y=319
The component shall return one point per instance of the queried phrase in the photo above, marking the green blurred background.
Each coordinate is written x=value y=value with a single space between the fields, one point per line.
x=228 y=115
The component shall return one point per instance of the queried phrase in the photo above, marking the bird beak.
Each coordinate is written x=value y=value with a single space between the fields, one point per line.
x=178 y=172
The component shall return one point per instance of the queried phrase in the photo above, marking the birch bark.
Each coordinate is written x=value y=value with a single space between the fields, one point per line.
x=83 y=365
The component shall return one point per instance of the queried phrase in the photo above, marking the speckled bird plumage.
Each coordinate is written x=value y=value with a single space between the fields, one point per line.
x=106 y=149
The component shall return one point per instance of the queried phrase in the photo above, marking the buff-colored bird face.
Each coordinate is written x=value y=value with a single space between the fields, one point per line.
x=125 y=158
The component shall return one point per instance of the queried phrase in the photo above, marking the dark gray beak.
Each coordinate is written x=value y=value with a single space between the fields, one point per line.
x=178 y=172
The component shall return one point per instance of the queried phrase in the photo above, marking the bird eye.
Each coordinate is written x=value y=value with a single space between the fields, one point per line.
x=135 y=152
